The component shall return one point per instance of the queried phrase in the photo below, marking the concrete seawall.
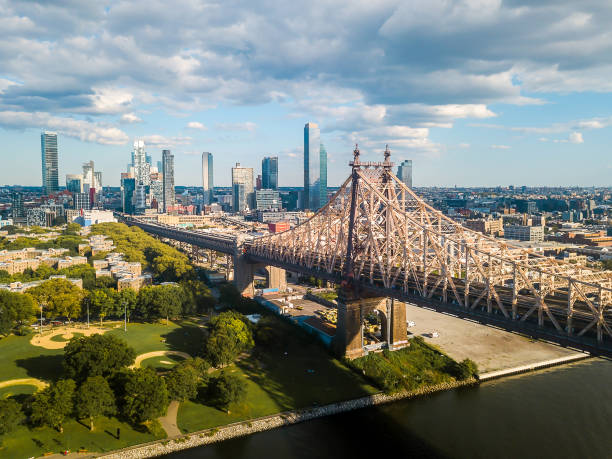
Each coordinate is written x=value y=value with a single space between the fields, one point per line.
x=533 y=366
x=239 y=429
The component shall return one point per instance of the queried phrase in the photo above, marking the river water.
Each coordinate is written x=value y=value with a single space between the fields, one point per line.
x=562 y=412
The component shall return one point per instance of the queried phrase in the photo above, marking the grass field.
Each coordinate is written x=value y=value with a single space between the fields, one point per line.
x=20 y=359
x=25 y=442
x=296 y=373
x=164 y=362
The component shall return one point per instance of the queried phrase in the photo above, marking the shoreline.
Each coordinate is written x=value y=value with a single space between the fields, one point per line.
x=248 y=427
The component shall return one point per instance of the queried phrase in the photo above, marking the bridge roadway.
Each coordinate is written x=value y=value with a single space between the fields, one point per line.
x=237 y=245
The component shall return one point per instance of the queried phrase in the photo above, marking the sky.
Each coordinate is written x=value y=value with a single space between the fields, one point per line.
x=475 y=92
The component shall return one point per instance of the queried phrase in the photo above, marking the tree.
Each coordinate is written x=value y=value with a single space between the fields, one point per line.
x=184 y=379
x=144 y=395
x=96 y=355
x=11 y=415
x=94 y=398
x=196 y=297
x=226 y=389
x=230 y=334
x=160 y=301
x=72 y=229
x=59 y=298
x=16 y=309
x=51 y=405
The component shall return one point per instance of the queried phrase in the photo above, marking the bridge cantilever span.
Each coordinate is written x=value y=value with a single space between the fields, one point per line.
x=377 y=237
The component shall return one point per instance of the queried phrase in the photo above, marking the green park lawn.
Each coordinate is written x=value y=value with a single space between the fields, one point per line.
x=162 y=363
x=20 y=359
x=28 y=442
x=305 y=376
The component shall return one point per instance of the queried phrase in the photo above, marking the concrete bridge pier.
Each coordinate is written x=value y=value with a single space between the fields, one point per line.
x=352 y=311
x=277 y=278
x=244 y=276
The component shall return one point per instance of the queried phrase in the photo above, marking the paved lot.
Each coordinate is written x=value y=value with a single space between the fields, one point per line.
x=492 y=349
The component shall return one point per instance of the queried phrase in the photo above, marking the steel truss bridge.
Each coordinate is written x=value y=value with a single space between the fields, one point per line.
x=376 y=235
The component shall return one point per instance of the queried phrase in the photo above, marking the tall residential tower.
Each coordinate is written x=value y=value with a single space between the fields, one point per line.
x=168 y=178
x=50 y=172
x=269 y=173
x=404 y=172
x=312 y=167
x=207 y=177
x=242 y=188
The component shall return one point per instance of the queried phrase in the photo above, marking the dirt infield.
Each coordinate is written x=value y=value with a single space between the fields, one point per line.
x=46 y=342
x=24 y=382
x=148 y=355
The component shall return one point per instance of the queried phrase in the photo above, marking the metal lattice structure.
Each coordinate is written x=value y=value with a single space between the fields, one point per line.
x=377 y=232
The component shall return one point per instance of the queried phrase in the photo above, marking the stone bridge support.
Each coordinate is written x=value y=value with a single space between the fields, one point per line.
x=352 y=311
x=244 y=276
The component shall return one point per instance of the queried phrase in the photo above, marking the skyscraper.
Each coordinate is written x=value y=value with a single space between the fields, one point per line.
x=269 y=173
x=207 y=177
x=17 y=209
x=312 y=166
x=128 y=187
x=323 y=160
x=140 y=166
x=74 y=183
x=242 y=188
x=50 y=172
x=168 y=171
x=404 y=172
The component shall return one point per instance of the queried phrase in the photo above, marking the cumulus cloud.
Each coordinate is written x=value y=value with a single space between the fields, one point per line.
x=130 y=118
x=71 y=127
x=416 y=65
x=501 y=147
x=196 y=125
x=161 y=141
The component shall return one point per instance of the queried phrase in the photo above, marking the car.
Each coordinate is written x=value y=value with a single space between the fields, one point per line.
x=411 y=324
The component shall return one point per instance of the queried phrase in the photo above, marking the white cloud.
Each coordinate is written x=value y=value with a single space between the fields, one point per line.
x=196 y=125
x=161 y=141
x=111 y=100
x=500 y=147
x=575 y=137
x=246 y=126
x=130 y=118
x=71 y=127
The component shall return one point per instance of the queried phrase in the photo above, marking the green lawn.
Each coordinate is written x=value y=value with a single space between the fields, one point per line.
x=61 y=339
x=163 y=363
x=19 y=389
x=185 y=336
x=25 y=442
x=305 y=376
x=20 y=359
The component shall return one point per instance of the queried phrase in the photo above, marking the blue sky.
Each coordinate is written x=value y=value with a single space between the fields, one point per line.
x=475 y=92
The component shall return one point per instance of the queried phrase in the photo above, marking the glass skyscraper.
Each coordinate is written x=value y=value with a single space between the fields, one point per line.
x=312 y=167
x=243 y=195
x=168 y=178
x=269 y=173
x=207 y=177
x=323 y=160
x=404 y=172
x=50 y=172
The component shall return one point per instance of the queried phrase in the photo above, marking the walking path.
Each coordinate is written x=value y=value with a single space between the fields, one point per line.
x=66 y=332
x=168 y=422
x=24 y=382
x=148 y=355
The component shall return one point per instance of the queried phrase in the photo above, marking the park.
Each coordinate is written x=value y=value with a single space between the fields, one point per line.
x=171 y=359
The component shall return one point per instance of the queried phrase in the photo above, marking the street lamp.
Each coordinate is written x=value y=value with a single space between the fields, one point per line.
x=125 y=316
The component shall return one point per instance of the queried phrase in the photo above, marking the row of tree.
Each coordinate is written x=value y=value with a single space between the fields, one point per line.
x=61 y=298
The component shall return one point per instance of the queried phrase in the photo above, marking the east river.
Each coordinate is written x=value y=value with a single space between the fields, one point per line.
x=563 y=412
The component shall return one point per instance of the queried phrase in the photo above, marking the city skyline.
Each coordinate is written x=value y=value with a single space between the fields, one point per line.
x=486 y=84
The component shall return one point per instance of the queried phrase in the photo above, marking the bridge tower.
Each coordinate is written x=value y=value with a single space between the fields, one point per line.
x=354 y=303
